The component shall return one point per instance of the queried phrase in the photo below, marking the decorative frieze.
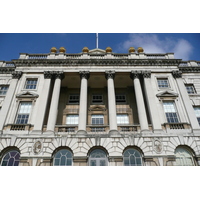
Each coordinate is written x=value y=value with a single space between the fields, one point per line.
x=84 y=74
x=16 y=74
x=110 y=74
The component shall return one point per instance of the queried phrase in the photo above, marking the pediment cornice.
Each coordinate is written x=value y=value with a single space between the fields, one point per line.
x=167 y=94
x=27 y=94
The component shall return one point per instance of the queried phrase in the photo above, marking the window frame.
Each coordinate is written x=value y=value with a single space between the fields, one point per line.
x=59 y=151
x=94 y=116
x=124 y=120
x=172 y=117
x=96 y=101
x=31 y=79
x=9 y=152
x=188 y=90
x=163 y=78
x=197 y=113
x=74 y=101
x=3 y=91
x=28 y=113
x=135 y=158
x=71 y=118
x=98 y=159
x=124 y=100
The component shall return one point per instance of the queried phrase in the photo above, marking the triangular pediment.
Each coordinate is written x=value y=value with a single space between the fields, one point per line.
x=167 y=94
x=97 y=51
x=27 y=94
x=97 y=108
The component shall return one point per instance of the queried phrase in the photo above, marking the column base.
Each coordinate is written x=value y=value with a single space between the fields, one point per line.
x=114 y=133
x=81 y=133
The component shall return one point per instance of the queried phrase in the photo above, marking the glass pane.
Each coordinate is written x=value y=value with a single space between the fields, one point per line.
x=11 y=158
x=132 y=157
x=62 y=160
x=92 y=162
x=102 y=163
x=63 y=157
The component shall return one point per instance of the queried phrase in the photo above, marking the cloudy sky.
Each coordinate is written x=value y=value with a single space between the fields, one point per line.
x=184 y=45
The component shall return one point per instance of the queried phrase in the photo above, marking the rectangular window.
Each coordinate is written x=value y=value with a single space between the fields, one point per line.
x=197 y=112
x=97 y=99
x=74 y=99
x=122 y=119
x=3 y=89
x=170 y=112
x=31 y=83
x=120 y=98
x=190 y=88
x=97 y=119
x=72 y=119
x=23 y=112
x=163 y=83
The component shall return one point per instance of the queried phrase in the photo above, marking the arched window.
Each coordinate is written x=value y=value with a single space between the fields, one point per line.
x=11 y=158
x=132 y=157
x=62 y=157
x=184 y=157
x=98 y=158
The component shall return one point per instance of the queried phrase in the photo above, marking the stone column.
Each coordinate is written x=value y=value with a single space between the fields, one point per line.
x=8 y=98
x=186 y=101
x=151 y=102
x=42 y=101
x=140 y=101
x=110 y=75
x=54 y=102
x=84 y=75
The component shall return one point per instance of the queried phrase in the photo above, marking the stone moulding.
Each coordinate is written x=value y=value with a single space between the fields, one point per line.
x=119 y=62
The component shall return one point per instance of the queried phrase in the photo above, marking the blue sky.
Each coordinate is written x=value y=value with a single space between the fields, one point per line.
x=184 y=45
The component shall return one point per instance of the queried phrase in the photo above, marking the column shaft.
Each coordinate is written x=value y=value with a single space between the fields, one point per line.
x=151 y=101
x=9 y=97
x=54 y=104
x=43 y=99
x=140 y=102
x=83 y=101
x=111 y=100
x=186 y=101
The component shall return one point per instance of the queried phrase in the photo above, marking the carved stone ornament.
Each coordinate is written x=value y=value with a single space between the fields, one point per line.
x=135 y=74
x=84 y=74
x=48 y=74
x=157 y=146
x=59 y=75
x=37 y=147
x=177 y=74
x=16 y=75
x=146 y=74
x=110 y=74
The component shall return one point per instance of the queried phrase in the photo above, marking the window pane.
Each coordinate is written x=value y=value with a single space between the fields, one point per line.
x=163 y=83
x=3 y=89
x=122 y=119
x=72 y=119
x=11 y=158
x=98 y=158
x=62 y=158
x=31 y=84
x=183 y=157
x=190 y=89
x=97 y=119
x=132 y=157
x=170 y=111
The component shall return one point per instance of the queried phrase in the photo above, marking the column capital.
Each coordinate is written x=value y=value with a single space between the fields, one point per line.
x=16 y=74
x=84 y=74
x=48 y=74
x=135 y=74
x=110 y=74
x=177 y=74
x=59 y=75
x=146 y=74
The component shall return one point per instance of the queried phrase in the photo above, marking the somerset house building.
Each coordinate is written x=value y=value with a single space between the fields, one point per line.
x=99 y=108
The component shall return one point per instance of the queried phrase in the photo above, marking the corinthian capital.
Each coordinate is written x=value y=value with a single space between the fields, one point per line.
x=135 y=74
x=110 y=74
x=48 y=74
x=146 y=74
x=84 y=74
x=59 y=75
x=177 y=74
x=16 y=75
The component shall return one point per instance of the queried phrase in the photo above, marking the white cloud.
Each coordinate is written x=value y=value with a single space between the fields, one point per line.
x=151 y=43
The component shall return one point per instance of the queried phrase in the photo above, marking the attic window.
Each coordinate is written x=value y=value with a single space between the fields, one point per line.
x=163 y=83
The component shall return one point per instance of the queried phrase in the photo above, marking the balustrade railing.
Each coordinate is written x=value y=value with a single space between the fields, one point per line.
x=183 y=64
x=155 y=56
x=37 y=56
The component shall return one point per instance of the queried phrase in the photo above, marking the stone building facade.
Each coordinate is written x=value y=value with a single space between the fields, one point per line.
x=99 y=108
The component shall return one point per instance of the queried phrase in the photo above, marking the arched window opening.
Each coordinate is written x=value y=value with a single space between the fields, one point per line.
x=98 y=158
x=183 y=157
x=11 y=158
x=62 y=157
x=132 y=157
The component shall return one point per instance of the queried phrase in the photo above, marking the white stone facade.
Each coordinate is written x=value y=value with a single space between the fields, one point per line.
x=100 y=100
